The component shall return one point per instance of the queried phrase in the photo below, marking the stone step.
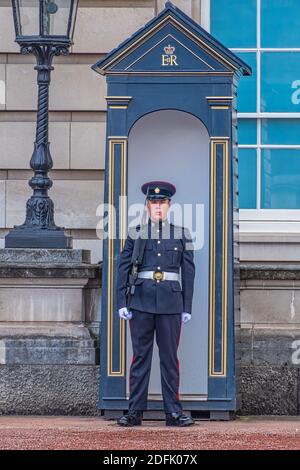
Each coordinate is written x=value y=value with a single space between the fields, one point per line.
x=47 y=351
x=47 y=344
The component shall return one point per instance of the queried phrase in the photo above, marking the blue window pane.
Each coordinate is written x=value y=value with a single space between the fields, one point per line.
x=280 y=23
x=232 y=23
x=247 y=178
x=280 y=83
x=280 y=131
x=246 y=102
x=280 y=184
x=247 y=131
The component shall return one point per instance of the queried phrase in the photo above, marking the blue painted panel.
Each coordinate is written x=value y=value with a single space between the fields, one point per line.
x=234 y=22
x=280 y=23
x=247 y=178
x=112 y=387
x=149 y=56
x=280 y=185
x=219 y=260
x=280 y=83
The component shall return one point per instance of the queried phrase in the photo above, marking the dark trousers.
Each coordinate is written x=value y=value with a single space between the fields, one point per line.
x=167 y=328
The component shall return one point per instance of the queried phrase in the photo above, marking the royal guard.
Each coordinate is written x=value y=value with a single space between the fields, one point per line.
x=151 y=297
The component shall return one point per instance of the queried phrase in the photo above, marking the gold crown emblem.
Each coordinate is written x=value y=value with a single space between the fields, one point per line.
x=157 y=190
x=169 y=50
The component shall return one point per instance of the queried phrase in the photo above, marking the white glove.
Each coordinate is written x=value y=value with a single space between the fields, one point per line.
x=185 y=317
x=125 y=314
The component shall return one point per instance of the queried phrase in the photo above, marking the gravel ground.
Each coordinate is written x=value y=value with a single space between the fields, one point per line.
x=56 y=433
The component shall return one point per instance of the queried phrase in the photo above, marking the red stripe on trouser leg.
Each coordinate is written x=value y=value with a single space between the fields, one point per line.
x=178 y=365
x=132 y=361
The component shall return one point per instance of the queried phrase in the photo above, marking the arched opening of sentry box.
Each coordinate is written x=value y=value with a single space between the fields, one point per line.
x=173 y=145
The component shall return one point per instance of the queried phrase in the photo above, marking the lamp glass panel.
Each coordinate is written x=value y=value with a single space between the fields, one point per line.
x=56 y=16
x=29 y=17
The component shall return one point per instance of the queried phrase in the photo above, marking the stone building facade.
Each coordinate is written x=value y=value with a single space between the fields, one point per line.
x=48 y=352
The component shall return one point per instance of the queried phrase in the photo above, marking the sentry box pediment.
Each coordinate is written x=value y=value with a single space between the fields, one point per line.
x=171 y=43
x=172 y=114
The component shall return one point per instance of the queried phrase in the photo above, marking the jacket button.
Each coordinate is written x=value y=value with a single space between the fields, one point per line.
x=158 y=241
x=158 y=254
x=175 y=248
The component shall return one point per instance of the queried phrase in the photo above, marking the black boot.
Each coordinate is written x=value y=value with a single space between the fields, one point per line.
x=131 y=418
x=178 y=419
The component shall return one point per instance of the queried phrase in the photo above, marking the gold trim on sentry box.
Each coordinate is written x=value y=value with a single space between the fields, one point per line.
x=110 y=284
x=212 y=316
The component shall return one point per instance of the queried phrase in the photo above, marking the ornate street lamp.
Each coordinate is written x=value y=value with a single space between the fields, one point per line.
x=43 y=28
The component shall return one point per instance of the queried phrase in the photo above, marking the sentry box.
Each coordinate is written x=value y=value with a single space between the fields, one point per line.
x=172 y=115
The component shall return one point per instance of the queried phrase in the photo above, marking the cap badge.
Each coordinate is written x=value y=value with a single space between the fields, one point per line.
x=157 y=190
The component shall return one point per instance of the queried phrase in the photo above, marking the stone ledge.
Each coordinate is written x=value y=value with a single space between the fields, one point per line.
x=46 y=351
x=269 y=237
x=263 y=271
x=68 y=271
x=33 y=256
x=47 y=263
x=44 y=329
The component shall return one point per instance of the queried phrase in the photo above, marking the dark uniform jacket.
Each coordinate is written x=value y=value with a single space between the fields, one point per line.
x=173 y=254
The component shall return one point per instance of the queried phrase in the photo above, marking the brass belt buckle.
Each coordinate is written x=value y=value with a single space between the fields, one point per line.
x=158 y=276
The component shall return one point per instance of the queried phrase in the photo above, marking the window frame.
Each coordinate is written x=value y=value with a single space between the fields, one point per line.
x=274 y=220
